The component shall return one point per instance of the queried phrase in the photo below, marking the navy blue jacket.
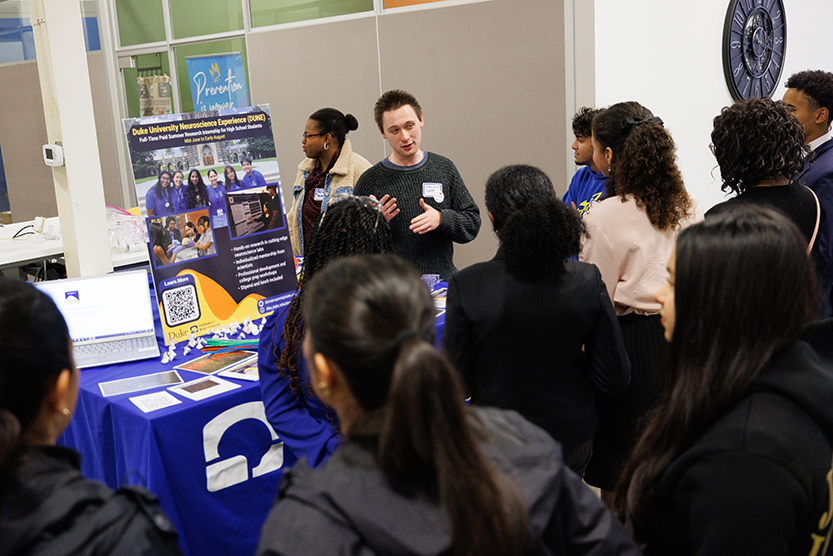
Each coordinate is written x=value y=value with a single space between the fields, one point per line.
x=818 y=176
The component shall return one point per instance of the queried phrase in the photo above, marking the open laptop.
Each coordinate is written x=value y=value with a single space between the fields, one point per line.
x=110 y=318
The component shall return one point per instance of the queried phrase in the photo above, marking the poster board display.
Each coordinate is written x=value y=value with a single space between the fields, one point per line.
x=218 y=245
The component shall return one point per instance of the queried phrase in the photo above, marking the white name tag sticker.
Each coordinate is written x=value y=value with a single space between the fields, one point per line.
x=318 y=194
x=433 y=190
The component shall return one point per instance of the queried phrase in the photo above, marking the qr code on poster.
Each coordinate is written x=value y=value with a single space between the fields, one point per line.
x=180 y=305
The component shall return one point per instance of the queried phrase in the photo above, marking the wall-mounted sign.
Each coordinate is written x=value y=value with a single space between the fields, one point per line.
x=218 y=81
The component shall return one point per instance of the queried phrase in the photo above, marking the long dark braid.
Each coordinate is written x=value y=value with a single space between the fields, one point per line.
x=350 y=227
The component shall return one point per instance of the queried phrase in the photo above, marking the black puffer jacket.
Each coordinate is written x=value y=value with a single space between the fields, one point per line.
x=50 y=509
x=346 y=507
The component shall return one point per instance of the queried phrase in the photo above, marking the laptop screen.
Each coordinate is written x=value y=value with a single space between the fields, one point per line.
x=103 y=307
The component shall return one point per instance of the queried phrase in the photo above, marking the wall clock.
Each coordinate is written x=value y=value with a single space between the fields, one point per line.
x=754 y=45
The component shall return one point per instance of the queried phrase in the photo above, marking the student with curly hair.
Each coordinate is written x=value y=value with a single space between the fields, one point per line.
x=588 y=184
x=736 y=457
x=759 y=146
x=810 y=97
x=532 y=330
x=307 y=426
x=630 y=235
x=419 y=472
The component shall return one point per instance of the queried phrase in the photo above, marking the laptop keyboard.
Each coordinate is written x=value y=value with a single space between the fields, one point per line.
x=115 y=346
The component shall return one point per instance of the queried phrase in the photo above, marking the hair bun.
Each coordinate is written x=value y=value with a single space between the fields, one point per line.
x=350 y=122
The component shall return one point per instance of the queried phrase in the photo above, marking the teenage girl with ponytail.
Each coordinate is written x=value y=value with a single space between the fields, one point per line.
x=46 y=505
x=630 y=235
x=330 y=168
x=308 y=426
x=533 y=330
x=419 y=472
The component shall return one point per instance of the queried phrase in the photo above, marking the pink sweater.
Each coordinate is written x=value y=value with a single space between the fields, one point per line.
x=631 y=253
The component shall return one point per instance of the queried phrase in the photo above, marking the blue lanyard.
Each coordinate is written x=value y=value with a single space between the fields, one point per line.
x=215 y=195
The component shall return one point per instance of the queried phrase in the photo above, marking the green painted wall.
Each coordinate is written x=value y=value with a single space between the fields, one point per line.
x=140 y=21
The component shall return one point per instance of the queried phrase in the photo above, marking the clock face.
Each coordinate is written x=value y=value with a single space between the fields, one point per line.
x=754 y=44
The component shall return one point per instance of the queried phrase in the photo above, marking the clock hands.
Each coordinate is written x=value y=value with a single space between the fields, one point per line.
x=751 y=60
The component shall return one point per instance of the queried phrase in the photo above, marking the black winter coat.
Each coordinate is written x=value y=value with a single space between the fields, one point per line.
x=346 y=506
x=541 y=345
x=50 y=509
x=759 y=481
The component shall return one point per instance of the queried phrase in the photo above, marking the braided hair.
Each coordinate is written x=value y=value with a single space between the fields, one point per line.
x=350 y=227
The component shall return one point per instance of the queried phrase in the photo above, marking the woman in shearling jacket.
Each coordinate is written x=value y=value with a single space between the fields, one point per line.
x=331 y=168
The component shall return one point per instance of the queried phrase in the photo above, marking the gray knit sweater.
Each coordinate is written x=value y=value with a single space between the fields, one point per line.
x=433 y=252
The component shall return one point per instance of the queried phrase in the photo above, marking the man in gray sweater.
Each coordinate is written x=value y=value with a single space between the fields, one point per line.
x=437 y=209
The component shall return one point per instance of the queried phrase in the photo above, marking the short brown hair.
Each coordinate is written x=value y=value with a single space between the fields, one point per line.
x=392 y=100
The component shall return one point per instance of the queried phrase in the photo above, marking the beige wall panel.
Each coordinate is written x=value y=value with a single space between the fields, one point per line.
x=23 y=133
x=104 y=129
x=490 y=79
x=489 y=75
x=299 y=70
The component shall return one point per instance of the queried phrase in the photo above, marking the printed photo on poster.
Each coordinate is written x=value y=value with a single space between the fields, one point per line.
x=178 y=238
x=254 y=210
x=208 y=185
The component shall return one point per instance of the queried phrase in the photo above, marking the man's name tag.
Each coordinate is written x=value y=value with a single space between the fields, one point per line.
x=433 y=190
x=318 y=194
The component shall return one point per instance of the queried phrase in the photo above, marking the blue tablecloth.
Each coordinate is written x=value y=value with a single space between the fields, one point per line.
x=186 y=454
x=173 y=451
